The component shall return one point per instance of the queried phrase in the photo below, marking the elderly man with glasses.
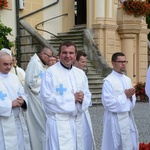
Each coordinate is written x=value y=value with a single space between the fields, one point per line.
x=35 y=115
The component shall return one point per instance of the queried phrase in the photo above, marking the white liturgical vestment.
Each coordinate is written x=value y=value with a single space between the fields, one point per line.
x=19 y=72
x=147 y=86
x=88 y=136
x=89 y=141
x=35 y=116
x=13 y=130
x=64 y=130
x=119 y=128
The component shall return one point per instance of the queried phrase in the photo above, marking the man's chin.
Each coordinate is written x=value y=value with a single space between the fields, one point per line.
x=123 y=70
x=7 y=72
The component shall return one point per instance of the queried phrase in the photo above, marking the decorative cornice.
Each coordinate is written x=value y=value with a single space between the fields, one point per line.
x=127 y=36
x=104 y=26
x=129 y=28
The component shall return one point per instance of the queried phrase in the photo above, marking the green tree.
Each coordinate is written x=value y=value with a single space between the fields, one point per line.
x=4 y=32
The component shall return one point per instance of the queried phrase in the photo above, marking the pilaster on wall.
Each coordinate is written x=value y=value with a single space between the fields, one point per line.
x=104 y=26
x=127 y=47
x=142 y=56
x=103 y=8
x=106 y=39
x=128 y=36
x=133 y=34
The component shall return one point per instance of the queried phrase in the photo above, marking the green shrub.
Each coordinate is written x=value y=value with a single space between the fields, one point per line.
x=4 y=32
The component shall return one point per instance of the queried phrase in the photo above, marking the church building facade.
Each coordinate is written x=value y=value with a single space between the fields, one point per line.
x=113 y=30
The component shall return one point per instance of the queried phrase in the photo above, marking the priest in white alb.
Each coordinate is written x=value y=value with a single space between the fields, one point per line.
x=147 y=86
x=118 y=98
x=18 y=70
x=35 y=116
x=13 y=101
x=89 y=141
x=65 y=96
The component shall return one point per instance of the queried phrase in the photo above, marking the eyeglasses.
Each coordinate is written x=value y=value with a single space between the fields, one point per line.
x=121 y=62
x=47 y=55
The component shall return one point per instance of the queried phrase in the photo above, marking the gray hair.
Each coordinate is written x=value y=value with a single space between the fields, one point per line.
x=6 y=50
x=4 y=53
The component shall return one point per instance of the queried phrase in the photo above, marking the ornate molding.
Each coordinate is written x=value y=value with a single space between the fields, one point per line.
x=127 y=36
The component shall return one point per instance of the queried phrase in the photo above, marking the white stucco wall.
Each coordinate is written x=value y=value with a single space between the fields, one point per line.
x=54 y=26
x=8 y=18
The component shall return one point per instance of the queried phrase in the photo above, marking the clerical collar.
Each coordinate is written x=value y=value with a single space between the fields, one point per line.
x=119 y=74
x=66 y=67
x=3 y=75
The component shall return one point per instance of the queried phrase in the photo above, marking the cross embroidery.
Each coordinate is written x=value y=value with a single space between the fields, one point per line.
x=41 y=74
x=18 y=93
x=61 y=89
x=2 y=96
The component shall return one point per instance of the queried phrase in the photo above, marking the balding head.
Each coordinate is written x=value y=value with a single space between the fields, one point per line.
x=5 y=62
x=45 y=55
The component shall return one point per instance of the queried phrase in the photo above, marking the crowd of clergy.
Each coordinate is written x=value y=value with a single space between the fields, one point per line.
x=46 y=106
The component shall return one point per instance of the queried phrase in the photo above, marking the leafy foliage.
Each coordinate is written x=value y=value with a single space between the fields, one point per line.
x=4 y=32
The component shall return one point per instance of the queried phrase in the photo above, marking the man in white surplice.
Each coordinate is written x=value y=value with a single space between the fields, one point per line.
x=65 y=96
x=15 y=69
x=147 y=86
x=118 y=98
x=35 y=116
x=89 y=141
x=18 y=70
x=13 y=101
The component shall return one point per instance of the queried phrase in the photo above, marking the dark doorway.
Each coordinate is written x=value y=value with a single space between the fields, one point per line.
x=80 y=12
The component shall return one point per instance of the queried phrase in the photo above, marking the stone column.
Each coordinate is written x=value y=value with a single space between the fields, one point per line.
x=129 y=28
x=99 y=8
x=127 y=47
x=104 y=27
x=103 y=8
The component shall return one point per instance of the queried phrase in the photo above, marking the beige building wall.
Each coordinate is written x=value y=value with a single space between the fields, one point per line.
x=62 y=23
x=69 y=20
x=55 y=25
x=105 y=28
x=142 y=56
x=30 y=6
x=7 y=17
x=110 y=34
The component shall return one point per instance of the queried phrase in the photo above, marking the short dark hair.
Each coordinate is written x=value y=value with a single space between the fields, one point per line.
x=115 y=55
x=67 y=43
x=79 y=54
